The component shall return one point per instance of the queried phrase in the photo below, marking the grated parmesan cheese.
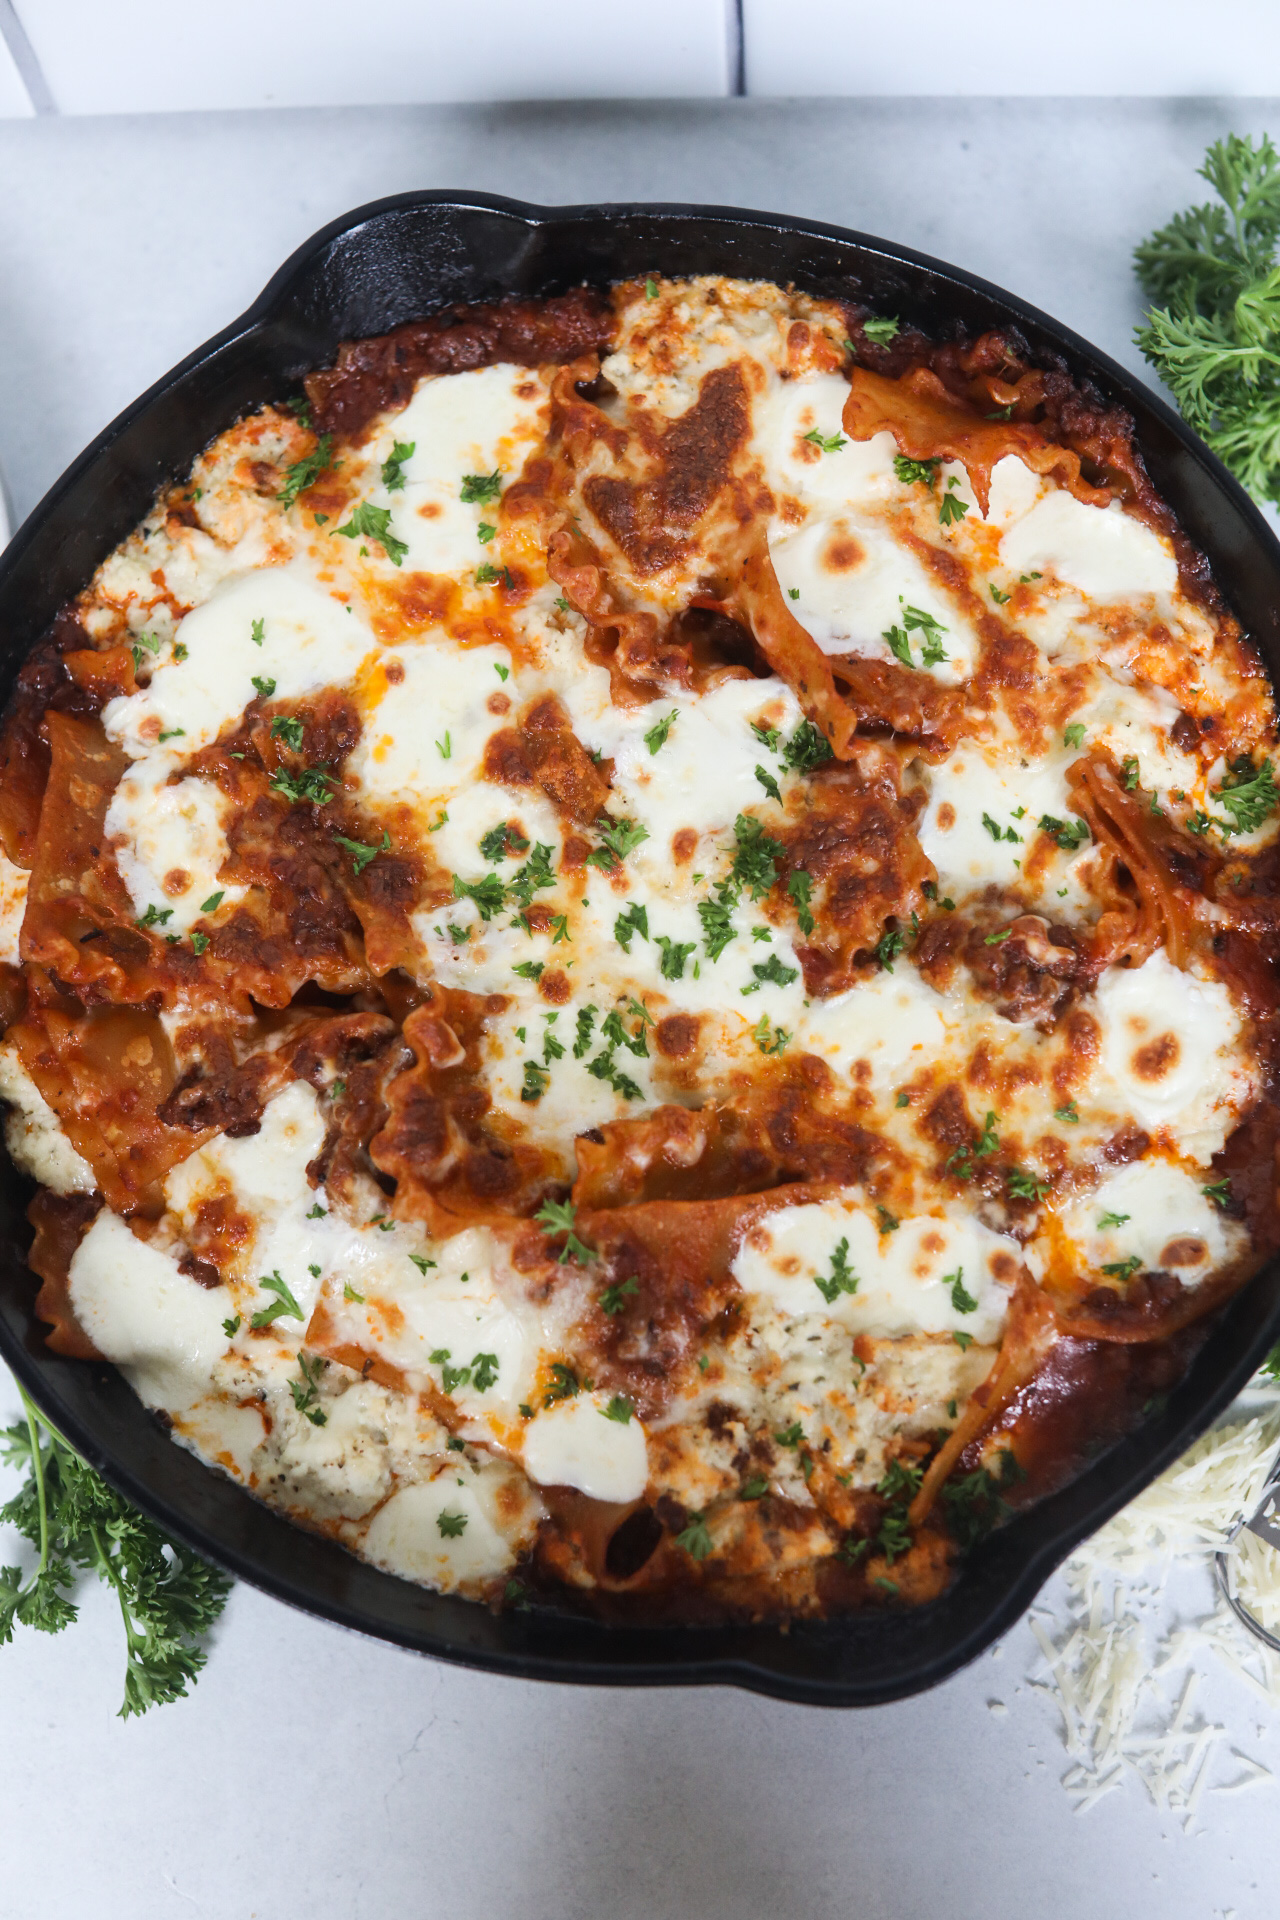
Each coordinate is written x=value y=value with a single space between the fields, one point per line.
x=1123 y=1679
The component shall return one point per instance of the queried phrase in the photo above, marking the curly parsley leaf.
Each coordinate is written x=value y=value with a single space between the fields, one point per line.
x=374 y=523
x=305 y=472
x=168 y=1598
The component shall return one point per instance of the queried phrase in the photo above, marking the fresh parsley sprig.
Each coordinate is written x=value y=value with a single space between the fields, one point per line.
x=168 y=1597
x=1213 y=331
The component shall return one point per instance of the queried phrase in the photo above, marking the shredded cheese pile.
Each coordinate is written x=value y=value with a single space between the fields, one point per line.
x=1122 y=1675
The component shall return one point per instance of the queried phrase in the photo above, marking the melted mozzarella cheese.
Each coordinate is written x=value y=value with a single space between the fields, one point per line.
x=161 y=1328
x=982 y=818
x=442 y=1323
x=425 y=738
x=577 y=1444
x=33 y=1133
x=858 y=472
x=169 y=840
x=309 y=640
x=916 y=1279
x=1158 y=1213
x=266 y=1172
x=850 y=582
x=894 y=1021
x=465 y=424
x=1171 y=1053
x=1103 y=551
x=445 y=1532
x=13 y=907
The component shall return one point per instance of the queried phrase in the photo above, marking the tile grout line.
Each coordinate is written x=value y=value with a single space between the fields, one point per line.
x=23 y=54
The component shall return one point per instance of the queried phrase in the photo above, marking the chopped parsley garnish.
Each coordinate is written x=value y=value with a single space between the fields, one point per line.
x=913 y=472
x=484 y=1371
x=1068 y=1114
x=1132 y=772
x=1073 y=737
x=656 y=737
x=284 y=1302
x=488 y=894
x=614 y=1298
x=582 y=1044
x=265 y=686
x=800 y=888
x=564 y=1384
x=374 y=523
x=613 y=1030
x=650 y=289
x=316 y=1212
x=479 y=488
x=619 y=838
x=361 y=853
x=1069 y=834
x=998 y=832
x=881 y=331
x=349 y=1293
x=695 y=1537
x=755 y=1488
x=1249 y=795
x=888 y=947
x=963 y=1340
x=755 y=861
x=635 y=920
x=231 y=1327
x=306 y=1392
x=503 y=843
x=393 y=465
x=999 y=598
x=961 y=1161
x=421 y=1262
x=674 y=955
x=258 y=632
x=451 y=1526
x=717 y=919
x=445 y=747
x=534 y=876
x=155 y=916
x=530 y=969
x=769 y=784
x=305 y=472
x=951 y=508
x=1219 y=1192
x=828 y=442
x=536 y=1082
x=619 y=1409
x=1122 y=1269
x=842 y=1278
x=916 y=621
x=771 y=972
x=790 y=1436
x=961 y=1299
x=807 y=748
x=558 y=1216
x=767 y=736
x=1021 y=1185
x=560 y=929
x=767 y=1039
x=485 y=532
x=889 y=1222
x=199 y=941
x=312 y=785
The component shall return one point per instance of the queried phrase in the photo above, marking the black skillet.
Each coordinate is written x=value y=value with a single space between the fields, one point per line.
x=398 y=260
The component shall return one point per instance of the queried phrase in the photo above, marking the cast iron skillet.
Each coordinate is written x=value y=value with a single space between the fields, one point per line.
x=395 y=261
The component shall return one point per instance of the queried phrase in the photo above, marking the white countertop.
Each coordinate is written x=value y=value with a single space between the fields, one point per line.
x=314 y=1774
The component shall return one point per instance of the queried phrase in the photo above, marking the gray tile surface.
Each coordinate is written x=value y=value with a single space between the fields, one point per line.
x=315 y=1774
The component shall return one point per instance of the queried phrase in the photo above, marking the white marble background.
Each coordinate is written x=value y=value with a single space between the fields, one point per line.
x=314 y=1774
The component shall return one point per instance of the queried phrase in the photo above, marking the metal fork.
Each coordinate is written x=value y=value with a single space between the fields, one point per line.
x=1264 y=1521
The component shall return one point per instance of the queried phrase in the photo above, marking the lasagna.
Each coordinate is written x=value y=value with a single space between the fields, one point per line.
x=638 y=946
